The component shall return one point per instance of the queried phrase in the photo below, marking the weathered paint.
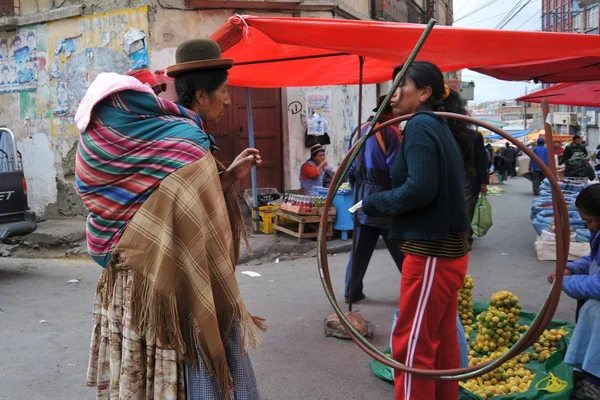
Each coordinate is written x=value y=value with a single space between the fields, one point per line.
x=79 y=50
x=40 y=171
x=70 y=53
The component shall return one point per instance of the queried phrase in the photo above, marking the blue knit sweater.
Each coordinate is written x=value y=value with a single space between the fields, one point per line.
x=427 y=199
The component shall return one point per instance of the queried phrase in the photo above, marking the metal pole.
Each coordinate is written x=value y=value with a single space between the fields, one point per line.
x=525 y=112
x=255 y=216
x=361 y=63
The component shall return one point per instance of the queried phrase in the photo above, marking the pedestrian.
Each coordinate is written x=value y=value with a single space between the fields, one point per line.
x=576 y=158
x=312 y=172
x=511 y=156
x=476 y=165
x=501 y=166
x=582 y=282
x=372 y=176
x=559 y=151
x=490 y=150
x=537 y=175
x=429 y=220
x=597 y=158
x=165 y=223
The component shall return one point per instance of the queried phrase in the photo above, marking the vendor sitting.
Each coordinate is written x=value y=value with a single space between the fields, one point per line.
x=313 y=171
x=582 y=282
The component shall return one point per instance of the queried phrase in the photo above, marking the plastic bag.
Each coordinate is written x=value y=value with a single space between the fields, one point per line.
x=482 y=220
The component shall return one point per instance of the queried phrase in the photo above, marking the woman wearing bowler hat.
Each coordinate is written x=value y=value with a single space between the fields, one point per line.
x=165 y=224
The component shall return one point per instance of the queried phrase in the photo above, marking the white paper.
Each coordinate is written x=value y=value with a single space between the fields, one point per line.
x=133 y=41
x=252 y=274
x=355 y=207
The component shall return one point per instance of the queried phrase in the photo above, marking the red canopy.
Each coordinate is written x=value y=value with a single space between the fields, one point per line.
x=285 y=52
x=569 y=69
x=570 y=94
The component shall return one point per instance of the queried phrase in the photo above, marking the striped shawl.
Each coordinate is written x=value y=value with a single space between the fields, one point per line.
x=157 y=207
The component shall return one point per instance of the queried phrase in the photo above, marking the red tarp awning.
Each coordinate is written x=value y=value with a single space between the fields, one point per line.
x=566 y=69
x=570 y=94
x=323 y=51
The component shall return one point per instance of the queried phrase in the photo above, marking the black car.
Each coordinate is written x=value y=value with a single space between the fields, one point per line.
x=15 y=216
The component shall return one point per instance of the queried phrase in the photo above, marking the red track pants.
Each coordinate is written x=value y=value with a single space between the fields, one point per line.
x=425 y=333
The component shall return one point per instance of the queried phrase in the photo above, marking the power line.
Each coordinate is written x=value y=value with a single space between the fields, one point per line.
x=510 y=13
x=530 y=18
x=486 y=19
x=463 y=6
x=517 y=13
x=489 y=3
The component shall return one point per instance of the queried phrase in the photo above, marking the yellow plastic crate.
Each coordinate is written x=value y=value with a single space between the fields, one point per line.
x=266 y=219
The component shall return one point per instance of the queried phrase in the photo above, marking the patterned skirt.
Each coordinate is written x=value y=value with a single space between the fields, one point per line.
x=125 y=364
x=202 y=385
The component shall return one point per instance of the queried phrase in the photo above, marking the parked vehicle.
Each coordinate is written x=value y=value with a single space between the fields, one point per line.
x=15 y=216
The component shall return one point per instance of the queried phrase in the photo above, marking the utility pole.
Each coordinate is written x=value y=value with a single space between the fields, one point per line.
x=584 y=122
x=525 y=113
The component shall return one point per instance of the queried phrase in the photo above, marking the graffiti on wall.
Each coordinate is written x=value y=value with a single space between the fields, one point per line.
x=82 y=49
x=19 y=61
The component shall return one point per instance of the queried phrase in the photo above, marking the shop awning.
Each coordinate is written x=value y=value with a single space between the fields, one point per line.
x=570 y=94
x=548 y=70
x=513 y=134
x=287 y=52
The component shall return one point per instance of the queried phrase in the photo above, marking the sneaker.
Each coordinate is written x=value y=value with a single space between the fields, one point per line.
x=356 y=299
x=585 y=390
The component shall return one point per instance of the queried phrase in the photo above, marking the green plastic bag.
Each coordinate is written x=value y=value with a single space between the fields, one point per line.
x=482 y=220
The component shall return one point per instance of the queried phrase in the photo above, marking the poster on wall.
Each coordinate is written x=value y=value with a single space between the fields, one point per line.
x=318 y=107
x=18 y=62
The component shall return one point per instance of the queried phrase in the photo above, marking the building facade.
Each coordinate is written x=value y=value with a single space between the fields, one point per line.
x=50 y=51
x=575 y=16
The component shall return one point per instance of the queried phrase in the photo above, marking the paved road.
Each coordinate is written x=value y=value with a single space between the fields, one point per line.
x=48 y=360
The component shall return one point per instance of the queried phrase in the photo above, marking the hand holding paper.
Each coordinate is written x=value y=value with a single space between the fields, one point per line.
x=355 y=207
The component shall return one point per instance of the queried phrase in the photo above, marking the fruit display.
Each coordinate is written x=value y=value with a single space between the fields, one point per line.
x=498 y=327
x=511 y=377
x=465 y=305
x=547 y=344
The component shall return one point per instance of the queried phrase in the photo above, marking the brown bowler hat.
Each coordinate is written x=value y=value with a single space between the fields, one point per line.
x=197 y=54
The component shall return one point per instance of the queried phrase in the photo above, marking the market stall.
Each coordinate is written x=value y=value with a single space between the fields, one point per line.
x=289 y=52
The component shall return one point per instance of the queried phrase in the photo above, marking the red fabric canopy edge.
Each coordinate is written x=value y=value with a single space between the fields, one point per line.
x=571 y=94
x=254 y=42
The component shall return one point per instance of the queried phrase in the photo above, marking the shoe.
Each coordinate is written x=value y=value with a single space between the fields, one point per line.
x=356 y=299
x=585 y=390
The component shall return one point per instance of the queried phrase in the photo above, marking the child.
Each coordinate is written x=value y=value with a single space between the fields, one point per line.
x=582 y=282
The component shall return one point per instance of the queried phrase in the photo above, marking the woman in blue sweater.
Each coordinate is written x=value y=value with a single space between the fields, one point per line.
x=429 y=221
x=582 y=282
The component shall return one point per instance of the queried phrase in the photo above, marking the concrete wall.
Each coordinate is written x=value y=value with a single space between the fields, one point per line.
x=67 y=56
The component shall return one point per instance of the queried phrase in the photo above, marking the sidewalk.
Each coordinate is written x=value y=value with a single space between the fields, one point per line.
x=66 y=238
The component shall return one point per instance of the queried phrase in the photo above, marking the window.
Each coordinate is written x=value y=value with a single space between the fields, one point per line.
x=579 y=22
x=592 y=18
x=7 y=8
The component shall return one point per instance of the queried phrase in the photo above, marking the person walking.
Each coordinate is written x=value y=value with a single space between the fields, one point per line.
x=511 y=156
x=371 y=176
x=430 y=222
x=537 y=176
